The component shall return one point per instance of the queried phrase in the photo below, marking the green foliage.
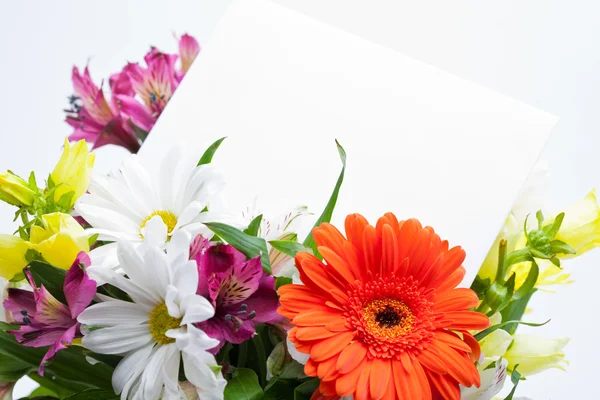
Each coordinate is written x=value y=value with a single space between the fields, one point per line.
x=282 y=280
x=515 y=377
x=289 y=247
x=249 y=245
x=479 y=336
x=93 y=394
x=243 y=386
x=254 y=226
x=210 y=152
x=328 y=211
x=51 y=277
x=305 y=390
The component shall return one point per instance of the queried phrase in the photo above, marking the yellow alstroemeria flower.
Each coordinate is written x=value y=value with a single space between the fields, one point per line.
x=581 y=227
x=12 y=255
x=15 y=191
x=59 y=240
x=73 y=171
x=534 y=354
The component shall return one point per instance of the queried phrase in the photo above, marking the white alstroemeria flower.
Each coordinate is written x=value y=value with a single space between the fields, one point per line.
x=277 y=227
x=155 y=332
x=119 y=206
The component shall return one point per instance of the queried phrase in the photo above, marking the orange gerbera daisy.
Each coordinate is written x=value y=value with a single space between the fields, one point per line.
x=382 y=318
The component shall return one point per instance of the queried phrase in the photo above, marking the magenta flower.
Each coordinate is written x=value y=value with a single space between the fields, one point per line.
x=242 y=294
x=45 y=321
x=96 y=119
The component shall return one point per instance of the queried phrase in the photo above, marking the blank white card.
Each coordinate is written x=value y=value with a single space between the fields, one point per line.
x=421 y=142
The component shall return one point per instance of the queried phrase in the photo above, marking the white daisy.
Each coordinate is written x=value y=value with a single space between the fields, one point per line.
x=155 y=332
x=119 y=206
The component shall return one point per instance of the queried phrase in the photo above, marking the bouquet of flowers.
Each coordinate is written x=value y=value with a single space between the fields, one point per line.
x=130 y=285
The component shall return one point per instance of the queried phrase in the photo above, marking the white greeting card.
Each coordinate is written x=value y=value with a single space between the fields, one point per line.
x=421 y=142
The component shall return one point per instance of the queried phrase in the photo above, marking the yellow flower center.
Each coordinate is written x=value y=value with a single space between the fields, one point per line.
x=388 y=318
x=167 y=216
x=160 y=322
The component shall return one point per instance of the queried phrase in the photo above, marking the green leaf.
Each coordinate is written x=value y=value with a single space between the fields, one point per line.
x=210 y=152
x=260 y=359
x=552 y=230
x=51 y=277
x=11 y=369
x=66 y=201
x=514 y=311
x=249 y=245
x=529 y=283
x=289 y=247
x=43 y=393
x=254 y=226
x=282 y=280
x=279 y=389
x=518 y=256
x=560 y=247
x=540 y=218
x=5 y=326
x=515 y=377
x=328 y=211
x=305 y=390
x=92 y=239
x=243 y=386
x=32 y=182
x=56 y=386
x=69 y=365
x=293 y=370
x=93 y=394
x=479 y=336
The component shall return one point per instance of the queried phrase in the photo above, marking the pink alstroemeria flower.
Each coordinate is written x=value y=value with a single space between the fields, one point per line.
x=156 y=83
x=45 y=321
x=96 y=119
x=241 y=292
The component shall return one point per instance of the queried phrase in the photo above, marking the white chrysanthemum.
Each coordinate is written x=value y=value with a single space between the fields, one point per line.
x=155 y=332
x=119 y=206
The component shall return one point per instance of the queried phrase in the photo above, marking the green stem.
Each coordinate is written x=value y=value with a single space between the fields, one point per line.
x=242 y=354
x=501 y=272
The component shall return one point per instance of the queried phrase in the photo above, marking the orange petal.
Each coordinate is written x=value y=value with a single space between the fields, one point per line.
x=402 y=381
x=451 y=281
x=389 y=253
x=372 y=249
x=327 y=369
x=419 y=379
x=337 y=262
x=315 y=318
x=432 y=361
x=346 y=384
x=355 y=225
x=446 y=386
x=406 y=237
x=362 y=385
x=351 y=357
x=308 y=333
x=330 y=347
x=460 y=367
x=451 y=339
x=380 y=377
x=465 y=320
x=474 y=344
x=456 y=299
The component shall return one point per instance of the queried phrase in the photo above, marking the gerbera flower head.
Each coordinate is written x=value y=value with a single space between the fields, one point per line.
x=155 y=332
x=381 y=317
x=119 y=206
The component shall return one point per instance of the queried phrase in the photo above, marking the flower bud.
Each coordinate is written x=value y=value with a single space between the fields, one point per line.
x=14 y=190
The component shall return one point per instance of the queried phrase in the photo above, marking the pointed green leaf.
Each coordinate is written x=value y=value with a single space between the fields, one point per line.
x=249 y=245
x=540 y=218
x=479 y=336
x=552 y=230
x=514 y=311
x=328 y=211
x=515 y=378
x=289 y=247
x=210 y=152
x=32 y=182
x=530 y=281
x=51 y=277
x=254 y=226
x=282 y=280
x=305 y=390
x=560 y=247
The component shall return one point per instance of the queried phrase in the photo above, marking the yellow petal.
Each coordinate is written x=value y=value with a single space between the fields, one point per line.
x=12 y=255
x=73 y=170
x=535 y=354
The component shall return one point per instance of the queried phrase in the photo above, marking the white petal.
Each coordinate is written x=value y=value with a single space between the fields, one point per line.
x=104 y=218
x=196 y=309
x=154 y=232
x=185 y=278
x=189 y=337
x=138 y=294
x=133 y=265
x=118 y=339
x=178 y=248
x=138 y=179
x=130 y=368
x=152 y=377
x=114 y=312
x=172 y=302
x=104 y=256
x=170 y=371
x=191 y=211
x=155 y=262
x=167 y=176
x=205 y=183
x=197 y=369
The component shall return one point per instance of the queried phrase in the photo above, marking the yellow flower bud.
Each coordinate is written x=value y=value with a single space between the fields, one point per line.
x=59 y=240
x=12 y=255
x=14 y=190
x=535 y=354
x=73 y=171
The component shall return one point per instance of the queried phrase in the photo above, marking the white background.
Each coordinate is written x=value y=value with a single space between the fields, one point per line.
x=545 y=53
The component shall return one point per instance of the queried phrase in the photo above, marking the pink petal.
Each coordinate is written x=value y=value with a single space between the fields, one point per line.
x=121 y=84
x=63 y=341
x=135 y=110
x=78 y=287
x=188 y=50
x=21 y=303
